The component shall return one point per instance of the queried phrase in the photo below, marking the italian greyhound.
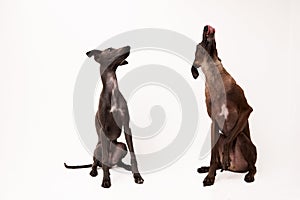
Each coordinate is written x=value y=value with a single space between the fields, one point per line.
x=232 y=148
x=111 y=117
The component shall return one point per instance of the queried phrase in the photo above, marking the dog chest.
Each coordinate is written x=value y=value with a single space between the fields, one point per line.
x=225 y=115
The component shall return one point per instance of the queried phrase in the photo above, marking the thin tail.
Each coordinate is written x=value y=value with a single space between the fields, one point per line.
x=78 y=166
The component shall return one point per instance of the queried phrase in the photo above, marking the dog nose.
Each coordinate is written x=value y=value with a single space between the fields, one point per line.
x=128 y=48
x=205 y=29
x=89 y=53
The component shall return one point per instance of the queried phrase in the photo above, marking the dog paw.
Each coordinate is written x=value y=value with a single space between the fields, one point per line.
x=226 y=161
x=208 y=181
x=94 y=173
x=249 y=178
x=106 y=183
x=138 y=178
x=226 y=164
x=203 y=170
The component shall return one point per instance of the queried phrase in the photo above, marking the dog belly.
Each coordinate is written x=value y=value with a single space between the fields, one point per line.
x=113 y=133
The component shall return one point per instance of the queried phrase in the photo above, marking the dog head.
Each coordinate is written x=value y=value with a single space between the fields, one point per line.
x=110 y=58
x=206 y=51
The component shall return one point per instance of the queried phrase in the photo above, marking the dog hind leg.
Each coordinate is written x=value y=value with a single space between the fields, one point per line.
x=249 y=152
x=119 y=151
x=203 y=169
x=247 y=130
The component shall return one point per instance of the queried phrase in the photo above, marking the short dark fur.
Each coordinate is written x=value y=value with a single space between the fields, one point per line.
x=111 y=116
x=229 y=110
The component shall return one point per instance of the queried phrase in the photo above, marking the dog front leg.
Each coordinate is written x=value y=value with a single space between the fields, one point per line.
x=214 y=161
x=214 y=135
x=214 y=165
x=105 y=160
x=238 y=128
x=137 y=177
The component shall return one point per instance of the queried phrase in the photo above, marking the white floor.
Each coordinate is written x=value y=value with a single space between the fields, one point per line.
x=46 y=178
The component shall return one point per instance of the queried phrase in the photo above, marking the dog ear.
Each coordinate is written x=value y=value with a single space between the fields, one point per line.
x=124 y=62
x=195 y=72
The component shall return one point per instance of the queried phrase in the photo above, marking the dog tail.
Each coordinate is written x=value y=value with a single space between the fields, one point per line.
x=78 y=166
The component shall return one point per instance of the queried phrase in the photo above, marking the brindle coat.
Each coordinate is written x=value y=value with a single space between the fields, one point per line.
x=229 y=110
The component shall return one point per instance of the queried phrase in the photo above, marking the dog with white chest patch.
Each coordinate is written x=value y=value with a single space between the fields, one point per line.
x=111 y=117
x=229 y=111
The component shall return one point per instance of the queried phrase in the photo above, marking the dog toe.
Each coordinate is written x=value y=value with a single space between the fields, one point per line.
x=208 y=181
x=94 y=173
x=106 y=183
x=138 y=178
x=226 y=162
x=249 y=178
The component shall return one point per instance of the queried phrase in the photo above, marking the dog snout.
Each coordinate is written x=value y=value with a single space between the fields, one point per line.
x=127 y=48
x=209 y=29
x=208 y=33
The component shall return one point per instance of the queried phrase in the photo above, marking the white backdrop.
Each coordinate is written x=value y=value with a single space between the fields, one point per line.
x=43 y=45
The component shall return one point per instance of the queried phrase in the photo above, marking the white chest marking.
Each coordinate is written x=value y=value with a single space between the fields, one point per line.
x=112 y=82
x=224 y=111
x=115 y=108
x=113 y=98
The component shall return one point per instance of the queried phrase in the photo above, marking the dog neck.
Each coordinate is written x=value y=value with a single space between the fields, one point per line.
x=212 y=71
x=109 y=81
x=217 y=80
